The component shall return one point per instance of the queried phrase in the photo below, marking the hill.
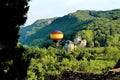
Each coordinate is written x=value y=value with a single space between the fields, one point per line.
x=99 y=28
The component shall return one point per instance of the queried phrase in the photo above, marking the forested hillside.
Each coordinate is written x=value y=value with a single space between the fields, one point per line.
x=100 y=28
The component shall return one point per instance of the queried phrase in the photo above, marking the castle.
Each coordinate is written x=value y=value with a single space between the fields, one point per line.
x=78 y=41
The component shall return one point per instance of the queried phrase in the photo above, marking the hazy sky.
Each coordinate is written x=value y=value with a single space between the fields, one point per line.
x=40 y=9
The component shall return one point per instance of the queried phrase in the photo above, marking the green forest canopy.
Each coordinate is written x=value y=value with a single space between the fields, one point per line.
x=101 y=29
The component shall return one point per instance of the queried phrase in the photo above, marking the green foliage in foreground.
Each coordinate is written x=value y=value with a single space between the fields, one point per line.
x=47 y=64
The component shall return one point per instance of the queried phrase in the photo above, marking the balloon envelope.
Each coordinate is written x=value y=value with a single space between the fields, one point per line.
x=56 y=35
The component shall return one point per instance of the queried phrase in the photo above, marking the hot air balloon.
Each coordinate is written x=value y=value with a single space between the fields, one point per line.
x=56 y=36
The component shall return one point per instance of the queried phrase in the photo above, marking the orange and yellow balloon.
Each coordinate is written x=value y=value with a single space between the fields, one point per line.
x=56 y=36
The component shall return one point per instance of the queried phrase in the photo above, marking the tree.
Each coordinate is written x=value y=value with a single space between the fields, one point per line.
x=13 y=65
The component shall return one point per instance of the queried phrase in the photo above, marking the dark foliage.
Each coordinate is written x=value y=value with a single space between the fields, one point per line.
x=118 y=64
x=13 y=65
x=70 y=75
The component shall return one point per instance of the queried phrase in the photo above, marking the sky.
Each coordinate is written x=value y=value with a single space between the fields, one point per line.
x=41 y=9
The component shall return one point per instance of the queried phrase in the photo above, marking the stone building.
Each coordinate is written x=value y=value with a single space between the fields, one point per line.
x=78 y=41
x=69 y=45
